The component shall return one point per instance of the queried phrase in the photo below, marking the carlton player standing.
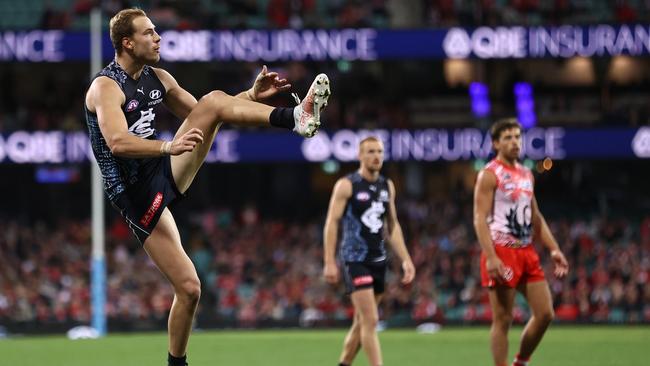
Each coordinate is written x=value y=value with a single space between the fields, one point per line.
x=506 y=219
x=367 y=199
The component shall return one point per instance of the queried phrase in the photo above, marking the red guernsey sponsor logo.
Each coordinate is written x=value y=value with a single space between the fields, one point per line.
x=363 y=280
x=155 y=205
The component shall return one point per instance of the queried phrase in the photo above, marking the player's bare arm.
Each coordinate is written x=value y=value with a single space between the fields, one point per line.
x=396 y=238
x=340 y=194
x=105 y=98
x=486 y=184
x=543 y=233
x=267 y=84
x=178 y=100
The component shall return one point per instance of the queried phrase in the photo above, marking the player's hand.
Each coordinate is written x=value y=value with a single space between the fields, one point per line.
x=409 y=272
x=267 y=84
x=186 y=142
x=494 y=267
x=561 y=265
x=331 y=273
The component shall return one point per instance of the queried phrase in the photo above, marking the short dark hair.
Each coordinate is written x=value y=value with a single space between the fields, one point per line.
x=501 y=125
x=121 y=25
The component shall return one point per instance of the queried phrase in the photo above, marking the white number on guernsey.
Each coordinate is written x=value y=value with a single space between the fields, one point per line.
x=142 y=127
x=370 y=218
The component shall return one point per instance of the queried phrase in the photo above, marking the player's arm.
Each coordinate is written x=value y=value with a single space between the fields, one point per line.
x=340 y=194
x=105 y=99
x=486 y=184
x=267 y=84
x=178 y=100
x=396 y=238
x=543 y=233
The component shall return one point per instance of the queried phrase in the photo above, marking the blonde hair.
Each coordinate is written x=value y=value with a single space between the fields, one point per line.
x=368 y=139
x=121 y=25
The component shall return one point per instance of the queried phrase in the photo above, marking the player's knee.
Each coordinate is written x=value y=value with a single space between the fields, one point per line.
x=546 y=316
x=190 y=290
x=502 y=319
x=369 y=320
x=216 y=101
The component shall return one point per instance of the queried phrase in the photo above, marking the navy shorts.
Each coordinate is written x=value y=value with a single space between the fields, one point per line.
x=144 y=201
x=361 y=275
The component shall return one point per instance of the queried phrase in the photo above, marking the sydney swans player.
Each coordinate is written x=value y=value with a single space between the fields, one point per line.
x=506 y=220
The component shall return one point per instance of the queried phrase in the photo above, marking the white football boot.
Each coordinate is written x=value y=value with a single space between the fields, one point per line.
x=306 y=114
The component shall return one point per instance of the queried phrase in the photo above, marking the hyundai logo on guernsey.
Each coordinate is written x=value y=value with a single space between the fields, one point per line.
x=155 y=94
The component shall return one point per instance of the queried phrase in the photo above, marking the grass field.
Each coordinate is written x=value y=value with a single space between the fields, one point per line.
x=574 y=346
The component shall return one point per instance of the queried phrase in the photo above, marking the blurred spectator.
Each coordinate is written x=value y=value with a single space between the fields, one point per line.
x=271 y=271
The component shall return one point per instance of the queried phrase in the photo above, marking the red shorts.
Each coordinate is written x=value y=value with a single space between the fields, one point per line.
x=521 y=266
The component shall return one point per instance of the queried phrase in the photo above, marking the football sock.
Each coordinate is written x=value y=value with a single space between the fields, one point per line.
x=343 y=364
x=282 y=117
x=176 y=361
x=520 y=361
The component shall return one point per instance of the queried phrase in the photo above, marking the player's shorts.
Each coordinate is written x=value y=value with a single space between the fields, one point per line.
x=521 y=266
x=144 y=201
x=362 y=275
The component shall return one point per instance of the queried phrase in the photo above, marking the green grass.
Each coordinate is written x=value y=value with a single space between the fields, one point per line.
x=575 y=346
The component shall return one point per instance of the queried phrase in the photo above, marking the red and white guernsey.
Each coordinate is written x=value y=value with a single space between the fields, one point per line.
x=510 y=220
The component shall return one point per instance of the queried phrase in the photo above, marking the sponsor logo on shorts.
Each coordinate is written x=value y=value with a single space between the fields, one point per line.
x=363 y=280
x=151 y=212
x=132 y=105
x=507 y=273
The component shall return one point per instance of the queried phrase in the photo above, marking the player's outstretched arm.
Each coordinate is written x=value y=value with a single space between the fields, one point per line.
x=486 y=183
x=396 y=238
x=105 y=99
x=543 y=233
x=267 y=84
x=340 y=194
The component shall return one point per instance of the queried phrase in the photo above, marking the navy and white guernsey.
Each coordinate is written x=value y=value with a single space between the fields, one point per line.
x=142 y=98
x=363 y=221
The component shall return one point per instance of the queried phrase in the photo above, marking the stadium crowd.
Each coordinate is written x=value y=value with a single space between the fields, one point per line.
x=195 y=14
x=262 y=271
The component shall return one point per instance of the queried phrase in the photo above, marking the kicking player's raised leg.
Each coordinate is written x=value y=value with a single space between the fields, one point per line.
x=217 y=107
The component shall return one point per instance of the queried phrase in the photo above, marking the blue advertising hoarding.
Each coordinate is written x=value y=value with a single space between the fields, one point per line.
x=601 y=40
x=424 y=145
